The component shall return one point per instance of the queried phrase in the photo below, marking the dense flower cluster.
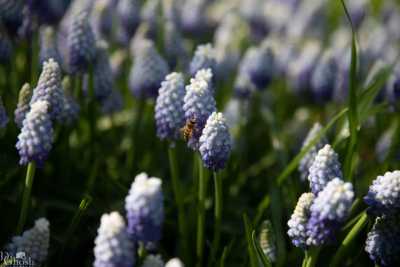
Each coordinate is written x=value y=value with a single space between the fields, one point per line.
x=204 y=58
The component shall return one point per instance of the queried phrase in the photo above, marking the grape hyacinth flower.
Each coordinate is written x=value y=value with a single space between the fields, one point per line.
x=3 y=115
x=81 y=43
x=71 y=107
x=6 y=48
x=169 y=114
x=22 y=109
x=49 y=88
x=328 y=211
x=113 y=103
x=11 y=14
x=153 y=261
x=33 y=242
x=103 y=80
x=113 y=247
x=383 y=196
x=324 y=78
x=48 y=46
x=145 y=210
x=193 y=18
x=382 y=243
x=207 y=76
x=215 y=142
x=267 y=241
x=325 y=167
x=204 y=58
x=243 y=86
x=36 y=137
x=173 y=45
x=129 y=13
x=258 y=64
x=199 y=104
x=149 y=15
x=102 y=19
x=299 y=219
x=308 y=159
x=175 y=262
x=147 y=72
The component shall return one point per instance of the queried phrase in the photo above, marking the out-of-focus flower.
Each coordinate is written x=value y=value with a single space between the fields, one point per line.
x=49 y=88
x=204 y=58
x=11 y=14
x=117 y=61
x=325 y=167
x=175 y=262
x=328 y=211
x=308 y=159
x=113 y=103
x=113 y=247
x=23 y=104
x=36 y=137
x=215 y=142
x=253 y=12
x=145 y=209
x=153 y=261
x=71 y=107
x=150 y=14
x=81 y=43
x=102 y=19
x=129 y=13
x=324 y=78
x=6 y=48
x=243 y=87
x=48 y=45
x=3 y=115
x=169 y=113
x=267 y=240
x=33 y=242
x=147 y=72
x=383 y=195
x=193 y=17
x=175 y=50
x=299 y=219
x=199 y=104
x=382 y=243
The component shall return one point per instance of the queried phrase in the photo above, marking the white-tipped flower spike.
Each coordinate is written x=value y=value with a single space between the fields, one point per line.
x=169 y=114
x=175 y=262
x=49 y=88
x=36 y=137
x=81 y=43
x=299 y=219
x=199 y=104
x=325 y=167
x=382 y=243
x=113 y=247
x=22 y=109
x=153 y=261
x=204 y=58
x=308 y=159
x=328 y=211
x=147 y=72
x=48 y=45
x=3 y=115
x=207 y=76
x=34 y=242
x=383 y=196
x=267 y=240
x=145 y=209
x=215 y=142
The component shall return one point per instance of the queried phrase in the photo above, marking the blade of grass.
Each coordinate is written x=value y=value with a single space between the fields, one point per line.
x=250 y=246
x=264 y=259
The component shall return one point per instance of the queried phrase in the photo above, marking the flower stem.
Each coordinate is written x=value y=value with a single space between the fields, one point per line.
x=176 y=185
x=201 y=213
x=217 y=214
x=313 y=257
x=348 y=239
x=30 y=173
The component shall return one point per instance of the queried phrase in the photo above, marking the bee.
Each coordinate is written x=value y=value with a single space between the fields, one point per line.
x=187 y=130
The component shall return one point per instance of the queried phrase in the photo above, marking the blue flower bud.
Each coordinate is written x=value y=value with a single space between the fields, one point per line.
x=33 y=242
x=328 y=211
x=383 y=195
x=325 y=167
x=23 y=104
x=382 y=243
x=81 y=43
x=36 y=137
x=144 y=209
x=308 y=159
x=299 y=219
x=169 y=114
x=113 y=247
x=215 y=142
x=204 y=58
x=199 y=104
x=147 y=72
x=49 y=88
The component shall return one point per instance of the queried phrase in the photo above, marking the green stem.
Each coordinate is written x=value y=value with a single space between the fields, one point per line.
x=348 y=240
x=217 y=214
x=313 y=257
x=30 y=173
x=201 y=213
x=305 y=259
x=176 y=185
x=276 y=209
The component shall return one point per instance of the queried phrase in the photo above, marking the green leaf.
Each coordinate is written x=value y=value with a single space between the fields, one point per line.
x=264 y=259
x=250 y=247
